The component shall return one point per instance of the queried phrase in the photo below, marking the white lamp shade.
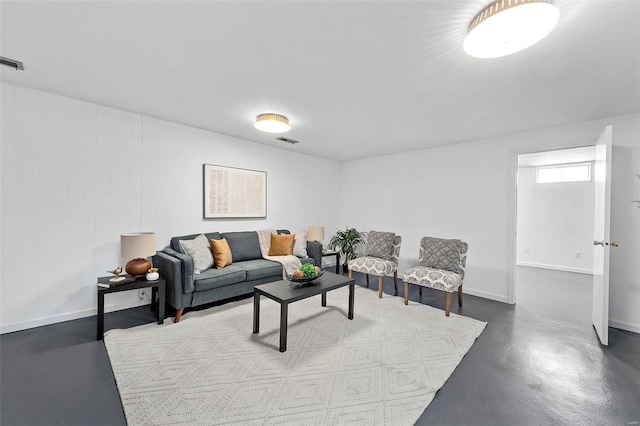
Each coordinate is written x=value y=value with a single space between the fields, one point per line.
x=137 y=245
x=506 y=27
x=315 y=233
x=272 y=123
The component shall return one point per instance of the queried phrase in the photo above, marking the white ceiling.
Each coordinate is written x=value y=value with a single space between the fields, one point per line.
x=356 y=78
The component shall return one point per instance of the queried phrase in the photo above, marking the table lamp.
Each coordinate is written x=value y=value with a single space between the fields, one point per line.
x=315 y=233
x=136 y=248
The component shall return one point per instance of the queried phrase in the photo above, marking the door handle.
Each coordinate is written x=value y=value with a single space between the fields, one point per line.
x=604 y=243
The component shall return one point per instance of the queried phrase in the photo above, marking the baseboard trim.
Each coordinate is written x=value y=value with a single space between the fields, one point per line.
x=624 y=326
x=485 y=295
x=54 y=319
x=556 y=268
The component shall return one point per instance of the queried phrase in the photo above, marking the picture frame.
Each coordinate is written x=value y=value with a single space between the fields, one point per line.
x=233 y=193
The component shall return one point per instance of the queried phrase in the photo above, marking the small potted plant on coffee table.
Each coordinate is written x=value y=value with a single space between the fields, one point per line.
x=345 y=241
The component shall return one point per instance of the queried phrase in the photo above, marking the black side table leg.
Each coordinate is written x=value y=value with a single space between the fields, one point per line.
x=154 y=293
x=284 y=313
x=337 y=263
x=324 y=299
x=100 y=333
x=161 y=292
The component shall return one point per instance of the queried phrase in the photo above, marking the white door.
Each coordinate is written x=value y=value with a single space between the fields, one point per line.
x=602 y=179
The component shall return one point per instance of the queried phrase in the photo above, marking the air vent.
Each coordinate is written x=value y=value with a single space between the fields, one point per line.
x=291 y=141
x=17 y=65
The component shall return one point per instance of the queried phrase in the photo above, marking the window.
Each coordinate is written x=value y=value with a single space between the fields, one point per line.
x=564 y=173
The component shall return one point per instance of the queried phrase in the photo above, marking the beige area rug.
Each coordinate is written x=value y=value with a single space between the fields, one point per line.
x=383 y=367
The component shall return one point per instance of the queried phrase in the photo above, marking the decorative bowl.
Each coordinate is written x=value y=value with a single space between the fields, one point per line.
x=299 y=282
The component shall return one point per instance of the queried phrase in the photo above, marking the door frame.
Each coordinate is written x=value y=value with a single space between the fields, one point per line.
x=513 y=201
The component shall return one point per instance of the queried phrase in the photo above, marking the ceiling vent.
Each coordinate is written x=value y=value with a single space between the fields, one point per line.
x=17 y=65
x=291 y=141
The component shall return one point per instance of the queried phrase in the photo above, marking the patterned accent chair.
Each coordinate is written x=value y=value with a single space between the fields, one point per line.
x=441 y=265
x=381 y=258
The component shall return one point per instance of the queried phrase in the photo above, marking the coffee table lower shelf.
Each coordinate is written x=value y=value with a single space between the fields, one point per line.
x=283 y=293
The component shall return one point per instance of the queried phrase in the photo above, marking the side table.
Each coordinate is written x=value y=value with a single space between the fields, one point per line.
x=332 y=253
x=157 y=289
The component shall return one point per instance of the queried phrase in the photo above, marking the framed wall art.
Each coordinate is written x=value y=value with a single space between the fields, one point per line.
x=230 y=192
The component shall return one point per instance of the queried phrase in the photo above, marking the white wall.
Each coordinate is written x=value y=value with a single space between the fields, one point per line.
x=76 y=175
x=555 y=223
x=467 y=191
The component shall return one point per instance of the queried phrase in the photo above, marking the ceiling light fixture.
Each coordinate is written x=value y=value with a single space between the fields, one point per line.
x=509 y=26
x=272 y=123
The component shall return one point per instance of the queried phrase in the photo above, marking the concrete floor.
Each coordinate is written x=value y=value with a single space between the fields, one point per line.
x=538 y=362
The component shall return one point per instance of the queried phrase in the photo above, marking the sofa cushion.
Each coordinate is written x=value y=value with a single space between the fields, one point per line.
x=221 y=253
x=175 y=241
x=281 y=245
x=300 y=245
x=309 y=260
x=244 y=245
x=199 y=250
x=260 y=268
x=214 y=278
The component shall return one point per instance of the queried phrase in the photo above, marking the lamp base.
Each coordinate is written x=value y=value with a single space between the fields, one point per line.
x=137 y=267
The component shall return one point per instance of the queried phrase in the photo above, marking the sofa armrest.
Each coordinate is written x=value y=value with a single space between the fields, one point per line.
x=171 y=270
x=185 y=278
x=186 y=268
x=314 y=250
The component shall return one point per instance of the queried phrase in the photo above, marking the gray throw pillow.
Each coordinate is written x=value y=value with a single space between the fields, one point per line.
x=380 y=244
x=440 y=253
x=244 y=245
x=200 y=251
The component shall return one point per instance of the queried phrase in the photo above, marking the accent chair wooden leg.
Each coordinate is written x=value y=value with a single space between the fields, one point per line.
x=380 y=287
x=406 y=293
x=350 y=273
x=447 y=306
x=395 y=282
x=420 y=291
x=460 y=295
x=178 y=315
x=366 y=277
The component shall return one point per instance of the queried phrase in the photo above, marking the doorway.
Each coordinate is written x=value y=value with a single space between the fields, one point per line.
x=554 y=233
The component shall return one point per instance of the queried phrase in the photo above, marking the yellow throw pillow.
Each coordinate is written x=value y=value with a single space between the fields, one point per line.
x=281 y=245
x=221 y=253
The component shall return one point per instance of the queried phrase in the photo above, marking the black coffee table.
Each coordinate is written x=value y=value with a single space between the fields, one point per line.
x=284 y=293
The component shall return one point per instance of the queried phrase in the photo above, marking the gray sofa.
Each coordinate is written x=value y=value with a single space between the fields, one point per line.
x=186 y=289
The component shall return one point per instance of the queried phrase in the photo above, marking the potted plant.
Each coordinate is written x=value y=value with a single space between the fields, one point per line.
x=345 y=242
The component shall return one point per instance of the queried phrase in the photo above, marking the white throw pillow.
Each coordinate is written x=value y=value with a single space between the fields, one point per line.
x=199 y=250
x=300 y=245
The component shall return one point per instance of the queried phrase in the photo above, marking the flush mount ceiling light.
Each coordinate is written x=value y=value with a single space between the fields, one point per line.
x=509 y=26
x=272 y=123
